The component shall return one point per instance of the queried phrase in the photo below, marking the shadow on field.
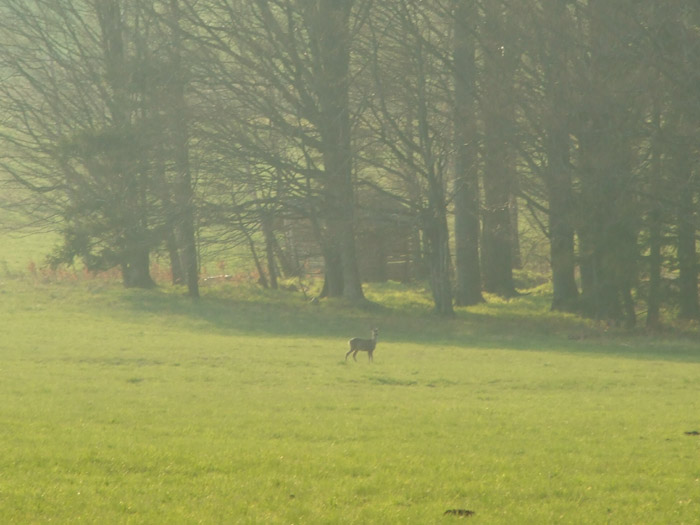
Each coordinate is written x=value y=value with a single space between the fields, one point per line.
x=523 y=324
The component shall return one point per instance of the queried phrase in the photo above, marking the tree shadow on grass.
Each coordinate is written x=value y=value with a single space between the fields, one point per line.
x=522 y=324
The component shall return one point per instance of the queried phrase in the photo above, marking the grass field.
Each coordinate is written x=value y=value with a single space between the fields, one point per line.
x=142 y=407
x=124 y=406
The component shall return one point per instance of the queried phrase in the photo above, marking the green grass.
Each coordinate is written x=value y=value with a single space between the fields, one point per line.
x=144 y=407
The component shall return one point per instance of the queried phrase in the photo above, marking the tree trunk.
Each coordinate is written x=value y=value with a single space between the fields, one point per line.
x=608 y=218
x=589 y=273
x=563 y=261
x=184 y=192
x=557 y=173
x=434 y=218
x=655 y=231
x=268 y=234
x=288 y=263
x=331 y=29
x=498 y=115
x=653 y=319
x=420 y=269
x=600 y=297
x=178 y=276
x=136 y=269
x=188 y=252
x=468 y=271
x=516 y=256
x=496 y=252
x=606 y=231
x=687 y=253
x=438 y=254
x=561 y=230
x=262 y=278
x=333 y=276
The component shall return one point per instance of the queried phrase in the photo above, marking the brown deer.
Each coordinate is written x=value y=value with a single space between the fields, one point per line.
x=363 y=345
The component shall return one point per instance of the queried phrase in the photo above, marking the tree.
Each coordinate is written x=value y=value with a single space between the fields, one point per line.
x=130 y=124
x=176 y=111
x=329 y=31
x=466 y=207
x=683 y=42
x=75 y=136
x=409 y=118
x=608 y=222
x=500 y=60
x=553 y=53
x=104 y=141
x=277 y=77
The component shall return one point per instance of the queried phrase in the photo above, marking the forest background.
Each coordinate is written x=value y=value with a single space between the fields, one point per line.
x=365 y=140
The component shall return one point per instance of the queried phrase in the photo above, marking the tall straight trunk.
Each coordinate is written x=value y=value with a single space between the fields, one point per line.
x=654 y=295
x=498 y=114
x=606 y=228
x=601 y=224
x=183 y=189
x=438 y=255
x=158 y=166
x=563 y=260
x=468 y=270
x=496 y=252
x=169 y=214
x=654 y=218
x=608 y=212
x=557 y=173
x=188 y=243
x=687 y=252
x=561 y=229
x=331 y=30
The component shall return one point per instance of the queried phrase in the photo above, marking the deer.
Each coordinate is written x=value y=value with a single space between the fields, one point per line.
x=358 y=344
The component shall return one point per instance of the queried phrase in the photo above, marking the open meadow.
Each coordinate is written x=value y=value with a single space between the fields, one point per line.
x=205 y=204
x=128 y=406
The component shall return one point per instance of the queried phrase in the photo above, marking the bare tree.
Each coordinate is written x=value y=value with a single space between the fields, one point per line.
x=176 y=110
x=550 y=91
x=277 y=75
x=409 y=116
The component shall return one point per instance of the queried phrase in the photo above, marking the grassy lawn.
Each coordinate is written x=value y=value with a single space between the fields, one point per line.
x=143 y=407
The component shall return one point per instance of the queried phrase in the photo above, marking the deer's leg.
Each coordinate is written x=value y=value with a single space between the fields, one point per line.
x=371 y=356
x=349 y=352
x=354 y=355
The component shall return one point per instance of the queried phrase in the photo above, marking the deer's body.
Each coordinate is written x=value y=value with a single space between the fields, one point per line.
x=358 y=344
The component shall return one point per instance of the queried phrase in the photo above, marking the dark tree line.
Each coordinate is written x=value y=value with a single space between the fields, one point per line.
x=136 y=124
